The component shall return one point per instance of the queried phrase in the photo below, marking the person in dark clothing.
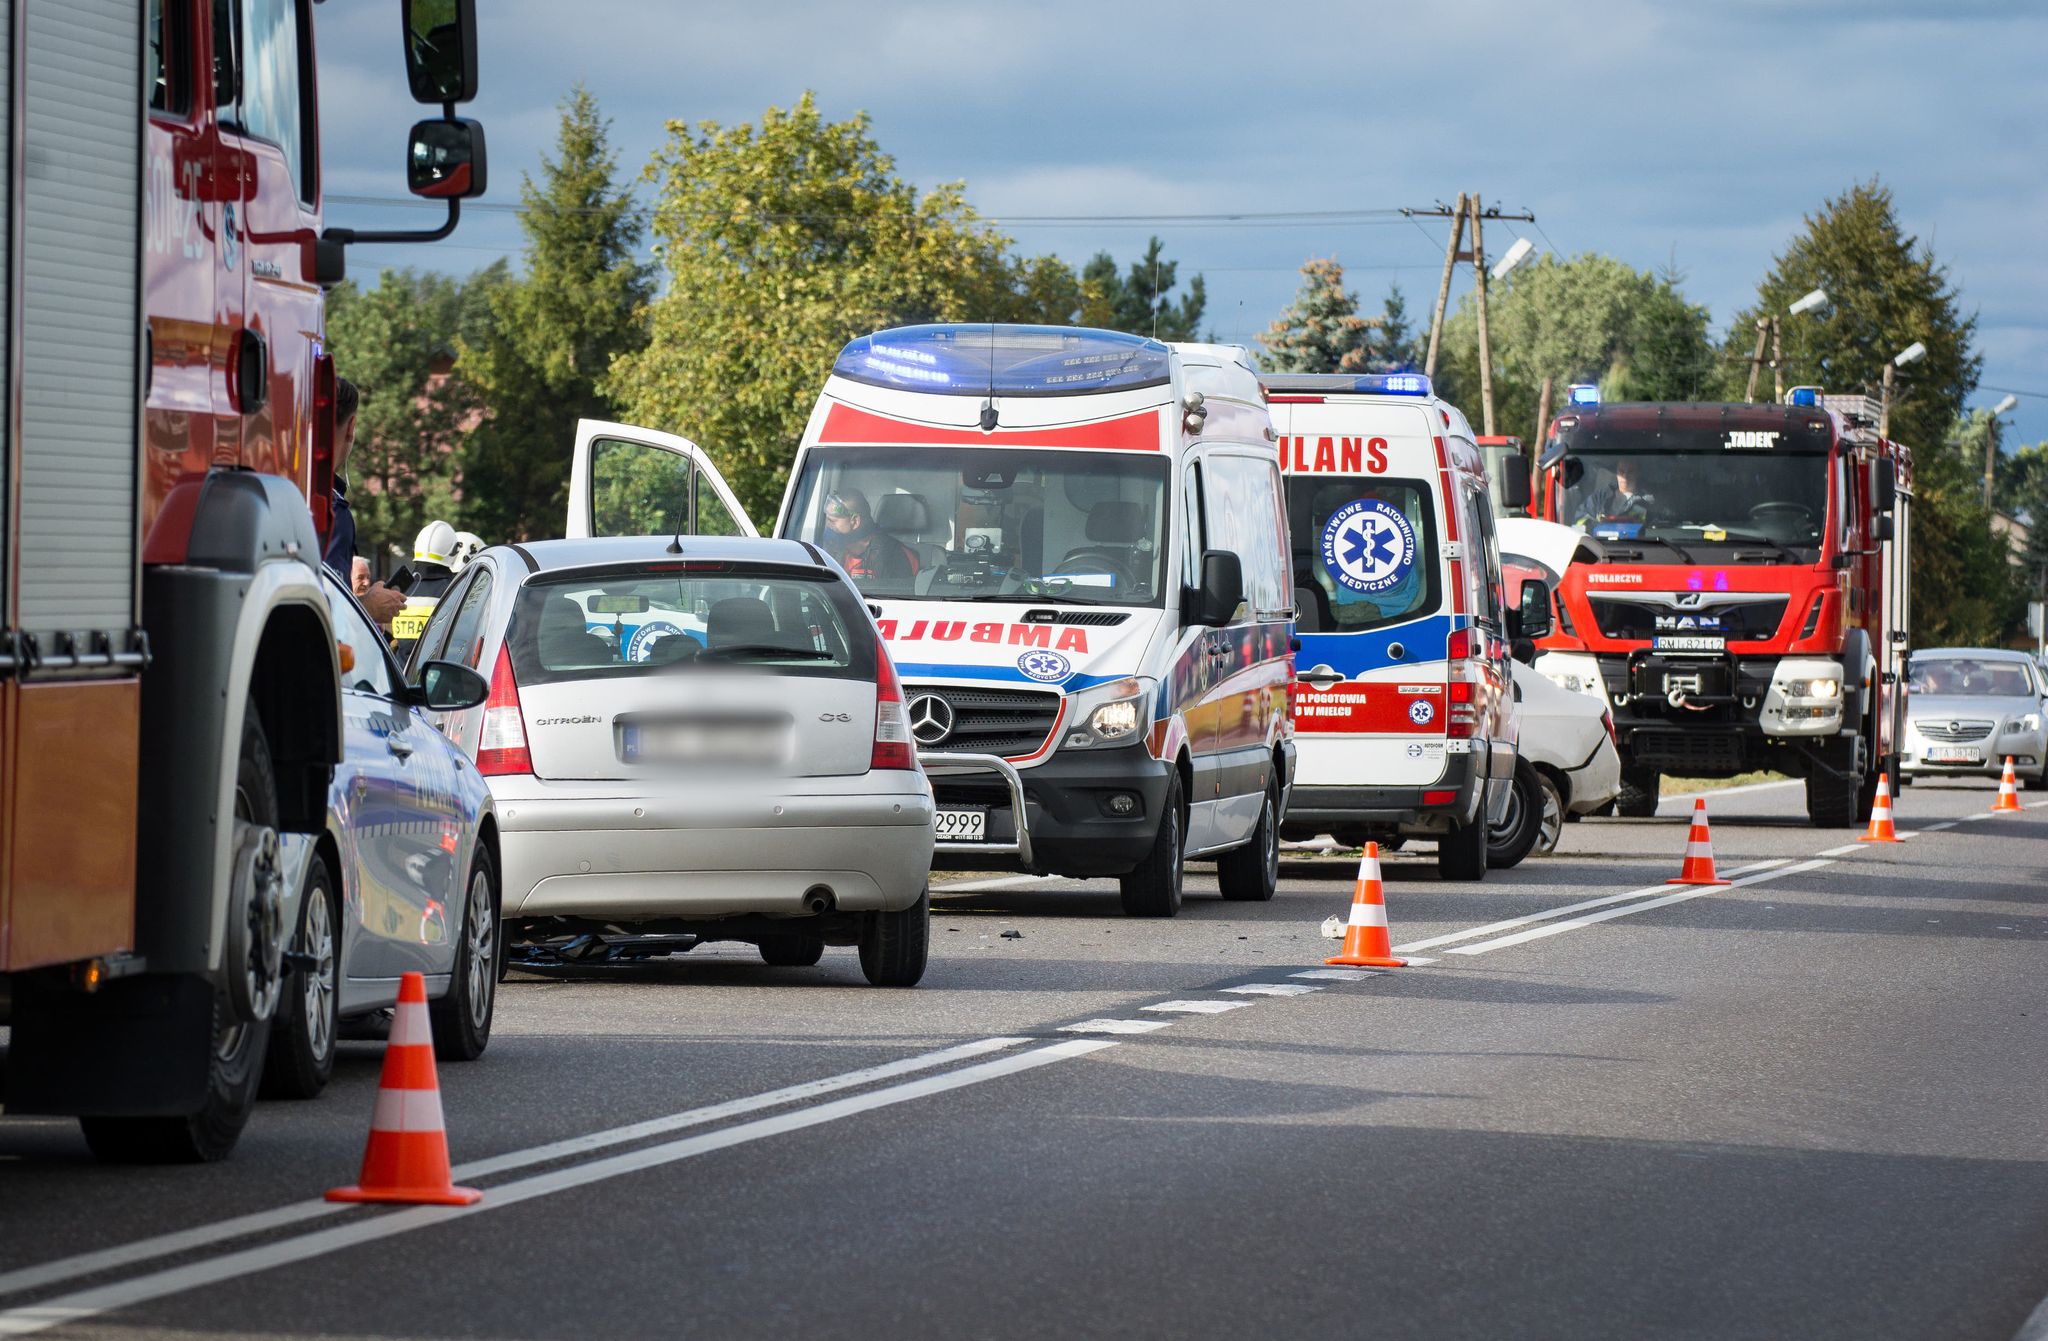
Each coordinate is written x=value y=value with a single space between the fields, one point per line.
x=863 y=549
x=381 y=601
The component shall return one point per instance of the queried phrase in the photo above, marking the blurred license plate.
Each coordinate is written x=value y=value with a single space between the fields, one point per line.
x=960 y=826
x=1954 y=754
x=1690 y=643
x=702 y=741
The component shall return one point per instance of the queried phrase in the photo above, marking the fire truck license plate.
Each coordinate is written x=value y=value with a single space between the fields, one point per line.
x=1691 y=643
x=1954 y=754
x=960 y=826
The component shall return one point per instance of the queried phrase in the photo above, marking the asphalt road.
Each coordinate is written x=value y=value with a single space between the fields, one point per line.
x=1812 y=1104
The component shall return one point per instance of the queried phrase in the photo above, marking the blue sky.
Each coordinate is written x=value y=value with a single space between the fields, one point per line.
x=1694 y=130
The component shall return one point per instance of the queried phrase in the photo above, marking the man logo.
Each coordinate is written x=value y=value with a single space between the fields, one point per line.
x=931 y=719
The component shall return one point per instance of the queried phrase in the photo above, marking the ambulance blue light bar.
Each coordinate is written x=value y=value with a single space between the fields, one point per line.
x=1582 y=393
x=1393 y=384
x=980 y=359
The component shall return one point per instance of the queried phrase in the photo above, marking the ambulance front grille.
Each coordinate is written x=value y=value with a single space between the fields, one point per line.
x=1007 y=722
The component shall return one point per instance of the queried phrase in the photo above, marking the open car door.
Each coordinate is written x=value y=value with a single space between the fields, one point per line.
x=628 y=480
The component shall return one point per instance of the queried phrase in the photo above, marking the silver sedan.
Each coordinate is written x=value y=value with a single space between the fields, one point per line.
x=691 y=741
x=1972 y=708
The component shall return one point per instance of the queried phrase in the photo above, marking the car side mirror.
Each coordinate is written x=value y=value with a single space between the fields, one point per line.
x=1531 y=618
x=1514 y=483
x=440 y=50
x=1222 y=589
x=448 y=686
x=445 y=160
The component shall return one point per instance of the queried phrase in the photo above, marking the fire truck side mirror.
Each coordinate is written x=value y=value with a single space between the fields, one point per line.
x=445 y=160
x=1881 y=527
x=1887 y=485
x=1514 y=482
x=440 y=50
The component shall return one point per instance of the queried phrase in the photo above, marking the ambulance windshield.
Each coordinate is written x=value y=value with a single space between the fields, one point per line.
x=1362 y=547
x=989 y=524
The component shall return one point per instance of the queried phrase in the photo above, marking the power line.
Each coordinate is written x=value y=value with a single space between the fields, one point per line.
x=2013 y=391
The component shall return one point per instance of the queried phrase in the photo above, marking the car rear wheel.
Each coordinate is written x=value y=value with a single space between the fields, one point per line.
x=895 y=946
x=1251 y=873
x=308 y=1015
x=1512 y=839
x=792 y=951
x=1639 y=793
x=1555 y=816
x=1153 y=888
x=462 y=1018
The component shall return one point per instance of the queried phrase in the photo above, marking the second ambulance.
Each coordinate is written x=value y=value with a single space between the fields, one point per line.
x=1405 y=714
x=1075 y=544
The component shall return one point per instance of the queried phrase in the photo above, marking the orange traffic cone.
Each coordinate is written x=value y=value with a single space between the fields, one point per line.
x=2008 y=790
x=1699 y=852
x=407 y=1157
x=1881 y=830
x=1366 y=944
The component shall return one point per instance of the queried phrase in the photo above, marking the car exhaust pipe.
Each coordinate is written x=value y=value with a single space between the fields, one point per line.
x=818 y=900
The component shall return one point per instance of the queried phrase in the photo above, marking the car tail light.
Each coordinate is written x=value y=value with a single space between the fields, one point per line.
x=1607 y=720
x=893 y=748
x=501 y=749
x=1439 y=798
x=1463 y=721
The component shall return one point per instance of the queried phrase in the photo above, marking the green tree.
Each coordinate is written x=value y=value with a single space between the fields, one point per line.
x=396 y=342
x=1967 y=591
x=1589 y=319
x=1139 y=301
x=1885 y=291
x=553 y=332
x=1396 y=348
x=1321 y=331
x=782 y=240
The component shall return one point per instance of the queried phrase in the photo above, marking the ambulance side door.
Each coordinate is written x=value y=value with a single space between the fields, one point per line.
x=628 y=480
x=1499 y=720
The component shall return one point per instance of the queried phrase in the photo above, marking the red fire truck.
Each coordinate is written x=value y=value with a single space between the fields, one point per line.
x=169 y=707
x=1740 y=602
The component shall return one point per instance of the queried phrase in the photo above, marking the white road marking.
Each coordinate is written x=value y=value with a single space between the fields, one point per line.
x=997 y=882
x=1842 y=851
x=1945 y=824
x=1272 y=988
x=1114 y=1026
x=249 y=1261
x=1566 y=910
x=1729 y=791
x=1629 y=910
x=220 y=1231
x=1338 y=974
x=1197 y=1007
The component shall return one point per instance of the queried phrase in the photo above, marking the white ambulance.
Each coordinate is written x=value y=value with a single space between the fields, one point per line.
x=1405 y=710
x=1075 y=545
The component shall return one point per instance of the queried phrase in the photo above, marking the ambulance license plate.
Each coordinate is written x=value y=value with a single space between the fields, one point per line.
x=1690 y=643
x=1954 y=754
x=960 y=826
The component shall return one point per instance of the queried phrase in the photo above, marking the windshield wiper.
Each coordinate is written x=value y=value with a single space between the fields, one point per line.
x=1751 y=538
x=766 y=650
x=1671 y=545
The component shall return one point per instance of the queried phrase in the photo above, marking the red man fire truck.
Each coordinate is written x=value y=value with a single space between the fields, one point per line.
x=1745 y=603
x=169 y=712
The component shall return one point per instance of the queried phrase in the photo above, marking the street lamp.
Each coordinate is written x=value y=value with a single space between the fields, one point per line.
x=1991 y=442
x=1767 y=332
x=1515 y=255
x=1916 y=350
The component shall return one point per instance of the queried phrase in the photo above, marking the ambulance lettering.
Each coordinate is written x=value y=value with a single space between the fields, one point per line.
x=954 y=630
x=1333 y=456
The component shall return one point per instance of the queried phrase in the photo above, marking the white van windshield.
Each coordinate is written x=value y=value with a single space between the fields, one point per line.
x=1363 y=551
x=989 y=524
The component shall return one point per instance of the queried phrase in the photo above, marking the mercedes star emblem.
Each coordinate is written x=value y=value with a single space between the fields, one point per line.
x=931 y=719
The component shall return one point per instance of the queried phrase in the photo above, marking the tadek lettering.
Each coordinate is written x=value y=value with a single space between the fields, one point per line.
x=1745 y=440
x=959 y=630
x=1333 y=456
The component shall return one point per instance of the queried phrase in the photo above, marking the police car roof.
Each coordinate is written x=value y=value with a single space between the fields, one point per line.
x=557 y=555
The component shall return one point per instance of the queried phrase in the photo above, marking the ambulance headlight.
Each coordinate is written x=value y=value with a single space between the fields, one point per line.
x=1112 y=714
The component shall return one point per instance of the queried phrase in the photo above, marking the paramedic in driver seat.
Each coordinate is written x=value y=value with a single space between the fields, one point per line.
x=859 y=546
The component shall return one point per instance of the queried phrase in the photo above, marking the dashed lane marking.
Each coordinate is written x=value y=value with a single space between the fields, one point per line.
x=1629 y=910
x=1197 y=1007
x=1272 y=988
x=1605 y=900
x=1114 y=1026
x=1337 y=974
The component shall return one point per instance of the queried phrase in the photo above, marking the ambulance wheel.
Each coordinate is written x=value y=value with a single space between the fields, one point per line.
x=1153 y=888
x=308 y=1018
x=1461 y=853
x=1251 y=873
x=1639 y=793
x=462 y=1018
x=1515 y=836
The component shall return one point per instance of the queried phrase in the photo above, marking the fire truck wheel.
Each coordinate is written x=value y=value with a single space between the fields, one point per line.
x=1831 y=799
x=1638 y=799
x=235 y=1063
x=308 y=1018
x=1152 y=889
x=1251 y=873
x=462 y=1018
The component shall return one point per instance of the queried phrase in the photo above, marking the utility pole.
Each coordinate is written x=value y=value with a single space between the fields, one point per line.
x=1990 y=458
x=1777 y=362
x=1467 y=209
x=1765 y=328
x=1542 y=422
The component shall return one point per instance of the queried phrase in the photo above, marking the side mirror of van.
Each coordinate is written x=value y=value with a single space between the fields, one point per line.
x=1222 y=589
x=440 y=50
x=1531 y=619
x=444 y=160
x=1514 y=483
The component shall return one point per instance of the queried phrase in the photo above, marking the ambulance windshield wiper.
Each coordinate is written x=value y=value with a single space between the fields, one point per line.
x=1023 y=598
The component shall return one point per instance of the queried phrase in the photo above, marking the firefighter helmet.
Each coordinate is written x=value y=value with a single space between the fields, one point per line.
x=435 y=543
x=468 y=544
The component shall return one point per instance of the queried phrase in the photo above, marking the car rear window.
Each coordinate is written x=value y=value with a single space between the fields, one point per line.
x=677 y=618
